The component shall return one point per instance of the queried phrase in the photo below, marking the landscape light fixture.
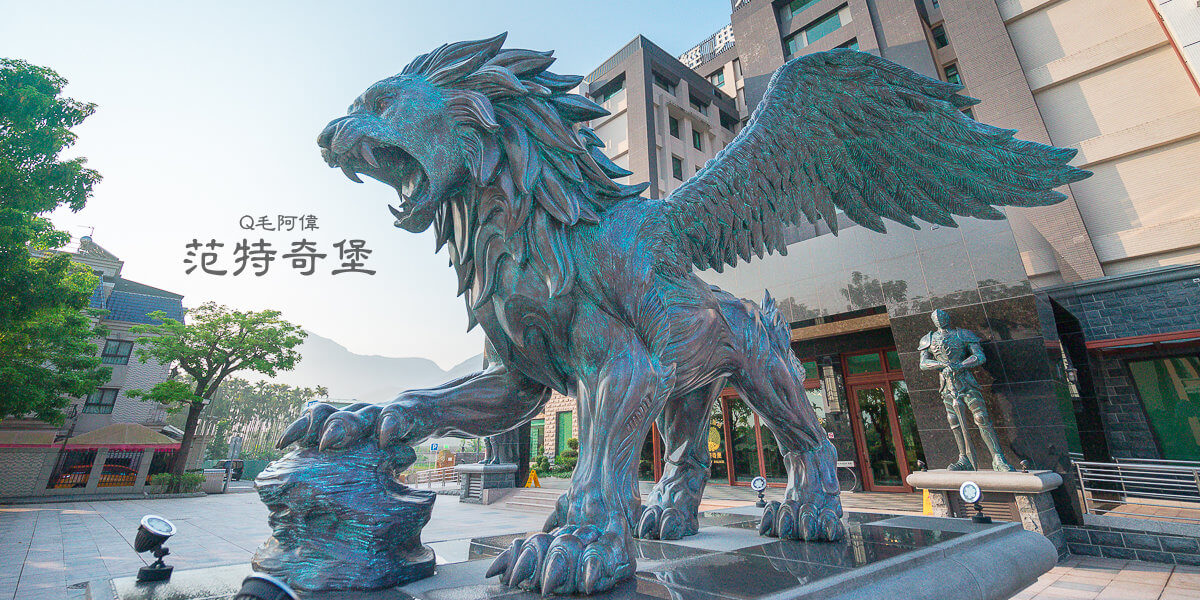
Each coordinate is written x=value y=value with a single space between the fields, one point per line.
x=260 y=586
x=970 y=493
x=151 y=533
x=759 y=484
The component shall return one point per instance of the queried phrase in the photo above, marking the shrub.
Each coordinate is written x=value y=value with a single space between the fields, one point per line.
x=542 y=465
x=567 y=459
x=162 y=479
x=191 y=482
x=172 y=484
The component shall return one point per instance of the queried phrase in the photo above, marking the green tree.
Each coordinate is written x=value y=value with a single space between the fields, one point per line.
x=216 y=343
x=47 y=352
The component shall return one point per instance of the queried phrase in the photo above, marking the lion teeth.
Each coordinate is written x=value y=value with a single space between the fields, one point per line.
x=351 y=174
x=368 y=155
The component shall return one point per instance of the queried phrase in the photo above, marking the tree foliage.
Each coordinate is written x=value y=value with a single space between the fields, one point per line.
x=258 y=411
x=215 y=343
x=47 y=354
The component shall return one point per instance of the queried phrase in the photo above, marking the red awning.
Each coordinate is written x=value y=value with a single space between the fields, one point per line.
x=1157 y=341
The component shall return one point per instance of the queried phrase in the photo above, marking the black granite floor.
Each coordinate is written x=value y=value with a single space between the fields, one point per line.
x=728 y=560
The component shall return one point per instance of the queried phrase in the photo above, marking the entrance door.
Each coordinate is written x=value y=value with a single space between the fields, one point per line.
x=886 y=432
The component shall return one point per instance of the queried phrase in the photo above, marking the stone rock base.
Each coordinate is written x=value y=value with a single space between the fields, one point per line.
x=342 y=521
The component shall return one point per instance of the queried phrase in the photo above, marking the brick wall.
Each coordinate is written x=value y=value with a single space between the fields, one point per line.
x=22 y=470
x=558 y=403
x=1133 y=545
x=1170 y=303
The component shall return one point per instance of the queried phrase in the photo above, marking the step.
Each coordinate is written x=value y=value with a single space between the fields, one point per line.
x=528 y=506
x=536 y=493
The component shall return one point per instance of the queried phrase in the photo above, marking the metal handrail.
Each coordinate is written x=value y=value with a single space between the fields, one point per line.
x=1132 y=484
x=431 y=476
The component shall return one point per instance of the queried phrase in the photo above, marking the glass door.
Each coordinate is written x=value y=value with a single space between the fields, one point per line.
x=883 y=461
x=886 y=431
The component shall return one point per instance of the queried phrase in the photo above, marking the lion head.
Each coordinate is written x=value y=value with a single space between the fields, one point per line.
x=470 y=115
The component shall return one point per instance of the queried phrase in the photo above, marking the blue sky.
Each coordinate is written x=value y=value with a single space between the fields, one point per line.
x=208 y=111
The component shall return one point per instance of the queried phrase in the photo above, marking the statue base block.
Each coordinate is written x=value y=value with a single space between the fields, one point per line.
x=342 y=521
x=478 y=481
x=1022 y=497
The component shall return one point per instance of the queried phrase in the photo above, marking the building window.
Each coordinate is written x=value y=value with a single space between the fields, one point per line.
x=677 y=167
x=612 y=88
x=608 y=94
x=1170 y=392
x=116 y=352
x=718 y=78
x=852 y=44
x=664 y=83
x=727 y=121
x=816 y=30
x=701 y=107
x=952 y=75
x=673 y=125
x=697 y=141
x=939 y=37
x=562 y=431
x=794 y=8
x=101 y=401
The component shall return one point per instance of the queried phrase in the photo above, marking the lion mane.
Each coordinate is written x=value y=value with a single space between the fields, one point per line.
x=534 y=171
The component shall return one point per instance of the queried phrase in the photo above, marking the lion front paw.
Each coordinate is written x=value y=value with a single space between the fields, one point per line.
x=569 y=560
x=328 y=428
x=663 y=523
x=792 y=520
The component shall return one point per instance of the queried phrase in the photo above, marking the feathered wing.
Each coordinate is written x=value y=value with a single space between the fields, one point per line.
x=849 y=130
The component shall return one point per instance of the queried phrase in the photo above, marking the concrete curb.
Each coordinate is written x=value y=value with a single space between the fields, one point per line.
x=59 y=499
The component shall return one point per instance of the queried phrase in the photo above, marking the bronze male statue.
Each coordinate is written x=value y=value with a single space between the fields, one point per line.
x=954 y=352
x=585 y=286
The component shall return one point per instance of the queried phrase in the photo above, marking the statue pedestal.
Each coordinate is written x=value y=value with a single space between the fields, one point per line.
x=341 y=521
x=484 y=484
x=1007 y=496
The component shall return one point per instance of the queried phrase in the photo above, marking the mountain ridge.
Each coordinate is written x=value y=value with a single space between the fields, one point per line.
x=366 y=377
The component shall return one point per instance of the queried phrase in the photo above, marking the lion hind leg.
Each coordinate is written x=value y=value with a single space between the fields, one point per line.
x=771 y=381
x=622 y=389
x=671 y=508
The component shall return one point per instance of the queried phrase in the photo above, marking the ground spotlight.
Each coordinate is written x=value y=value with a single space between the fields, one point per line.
x=259 y=586
x=152 y=532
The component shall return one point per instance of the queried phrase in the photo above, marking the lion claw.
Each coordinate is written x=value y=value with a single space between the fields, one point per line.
x=792 y=520
x=658 y=523
x=570 y=560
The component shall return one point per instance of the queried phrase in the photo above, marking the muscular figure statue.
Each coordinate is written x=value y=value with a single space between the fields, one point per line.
x=955 y=352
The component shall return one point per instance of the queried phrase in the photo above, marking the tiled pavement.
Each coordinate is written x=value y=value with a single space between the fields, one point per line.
x=44 y=548
x=1089 y=578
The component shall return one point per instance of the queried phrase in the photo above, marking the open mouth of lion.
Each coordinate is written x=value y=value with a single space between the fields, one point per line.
x=391 y=165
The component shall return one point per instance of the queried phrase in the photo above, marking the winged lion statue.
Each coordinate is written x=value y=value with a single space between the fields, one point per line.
x=584 y=286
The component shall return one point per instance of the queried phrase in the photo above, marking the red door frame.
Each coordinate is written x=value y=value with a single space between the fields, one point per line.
x=882 y=379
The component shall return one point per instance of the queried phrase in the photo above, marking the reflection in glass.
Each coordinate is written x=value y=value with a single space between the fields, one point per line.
x=745 y=446
x=719 y=468
x=908 y=425
x=893 y=360
x=1170 y=391
x=773 y=468
x=646 y=460
x=877 y=436
x=863 y=363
